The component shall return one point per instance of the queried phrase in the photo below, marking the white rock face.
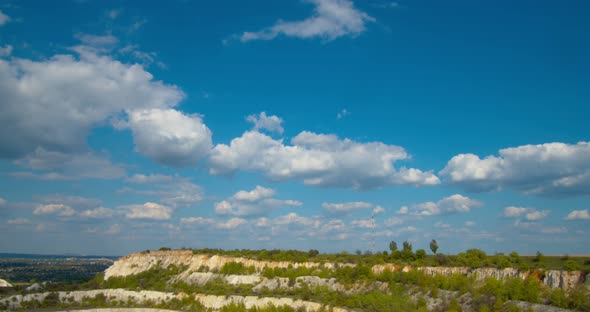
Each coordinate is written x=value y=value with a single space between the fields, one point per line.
x=202 y=278
x=209 y=301
x=139 y=262
x=4 y=284
x=315 y=281
x=551 y=278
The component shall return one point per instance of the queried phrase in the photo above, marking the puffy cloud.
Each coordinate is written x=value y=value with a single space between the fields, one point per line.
x=403 y=210
x=4 y=18
x=537 y=215
x=169 y=136
x=293 y=218
x=319 y=160
x=530 y=214
x=343 y=208
x=469 y=223
x=197 y=221
x=2 y=201
x=211 y=224
x=515 y=212
x=331 y=19
x=51 y=165
x=6 y=50
x=578 y=215
x=270 y=123
x=148 y=210
x=364 y=223
x=551 y=169
x=256 y=202
x=231 y=223
x=378 y=210
x=53 y=103
x=71 y=200
x=452 y=204
x=98 y=213
x=54 y=209
x=150 y=178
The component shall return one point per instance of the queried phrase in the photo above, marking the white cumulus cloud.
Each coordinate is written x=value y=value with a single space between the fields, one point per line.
x=256 y=202
x=53 y=103
x=514 y=212
x=98 y=213
x=578 y=215
x=319 y=160
x=149 y=210
x=169 y=136
x=331 y=19
x=530 y=214
x=270 y=123
x=54 y=209
x=343 y=208
x=551 y=169
x=149 y=178
x=537 y=215
x=452 y=204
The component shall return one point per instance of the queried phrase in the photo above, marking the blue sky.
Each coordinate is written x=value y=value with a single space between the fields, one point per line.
x=290 y=124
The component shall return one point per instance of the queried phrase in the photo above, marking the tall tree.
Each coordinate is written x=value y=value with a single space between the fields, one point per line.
x=393 y=246
x=434 y=246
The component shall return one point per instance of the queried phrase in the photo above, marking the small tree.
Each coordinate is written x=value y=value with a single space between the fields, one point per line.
x=433 y=246
x=407 y=253
x=539 y=257
x=393 y=246
x=420 y=254
x=407 y=246
x=313 y=252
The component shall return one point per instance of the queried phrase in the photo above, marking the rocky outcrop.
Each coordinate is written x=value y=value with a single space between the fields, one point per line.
x=139 y=262
x=550 y=278
x=217 y=302
x=535 y=307
x=4 y=284
x=202 y=278
x=209 y=301
x=195 y=264
x=312 y=282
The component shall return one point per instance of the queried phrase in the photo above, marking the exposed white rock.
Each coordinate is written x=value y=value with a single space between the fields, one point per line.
x=4 y=284
x=209 y=301
x=551 y=278
x=217 y=302
x=202 y=278
x=139 y=262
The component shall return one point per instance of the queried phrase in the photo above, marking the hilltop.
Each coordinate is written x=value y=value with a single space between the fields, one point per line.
x=196 y=280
